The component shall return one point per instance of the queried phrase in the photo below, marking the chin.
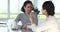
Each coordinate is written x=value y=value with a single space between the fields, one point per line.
x=43 y=13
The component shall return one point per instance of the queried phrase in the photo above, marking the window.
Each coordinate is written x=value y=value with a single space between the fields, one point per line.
x=57 y=8
x=3 y=8
x=10 y=8
x=15 y=7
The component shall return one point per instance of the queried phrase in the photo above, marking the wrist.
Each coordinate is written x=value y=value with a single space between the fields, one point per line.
x=33 y=22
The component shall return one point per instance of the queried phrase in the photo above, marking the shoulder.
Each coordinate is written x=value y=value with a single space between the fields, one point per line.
x=51 y=18
x=21 y=14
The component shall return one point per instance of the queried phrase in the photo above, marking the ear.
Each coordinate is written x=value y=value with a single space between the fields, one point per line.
x=24 y=7
x=44 y=10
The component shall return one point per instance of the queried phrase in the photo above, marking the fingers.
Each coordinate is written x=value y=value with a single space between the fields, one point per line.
x=31 y=17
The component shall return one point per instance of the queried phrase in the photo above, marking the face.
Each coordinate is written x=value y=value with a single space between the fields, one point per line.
x=28 y=8
x=44 y=12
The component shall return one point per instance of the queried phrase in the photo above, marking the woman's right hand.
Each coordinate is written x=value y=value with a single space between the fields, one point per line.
x=31 y=17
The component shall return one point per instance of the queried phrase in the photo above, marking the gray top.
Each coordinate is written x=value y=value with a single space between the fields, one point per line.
x=23 y=17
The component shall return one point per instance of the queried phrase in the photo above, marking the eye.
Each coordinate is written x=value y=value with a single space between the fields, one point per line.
x=28 y=7
x=31 y=7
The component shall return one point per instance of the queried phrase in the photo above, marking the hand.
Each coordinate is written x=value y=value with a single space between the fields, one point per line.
x=31 y=17
x=14 y=29
x=24 y=26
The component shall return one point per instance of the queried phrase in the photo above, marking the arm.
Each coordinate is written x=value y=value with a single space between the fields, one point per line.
x=33 y=19
x=18 y=18
x=41 y=28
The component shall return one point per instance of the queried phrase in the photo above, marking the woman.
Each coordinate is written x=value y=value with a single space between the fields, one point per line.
x=24 y=17
x=50 y=25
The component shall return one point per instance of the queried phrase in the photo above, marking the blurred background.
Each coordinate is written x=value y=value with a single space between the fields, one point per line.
x=9 y=9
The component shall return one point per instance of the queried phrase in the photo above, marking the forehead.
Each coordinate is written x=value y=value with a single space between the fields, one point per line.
x=29 y=5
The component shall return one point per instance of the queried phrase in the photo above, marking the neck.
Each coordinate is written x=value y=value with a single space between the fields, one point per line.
x=47 y=15
x=27 y=13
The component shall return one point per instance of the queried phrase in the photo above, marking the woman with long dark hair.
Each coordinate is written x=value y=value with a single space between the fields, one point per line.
x=50 y=25
x=25 y=17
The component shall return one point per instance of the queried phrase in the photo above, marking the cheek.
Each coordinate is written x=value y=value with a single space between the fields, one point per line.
x=43 y=12
x=29 y=8
x=26 y=9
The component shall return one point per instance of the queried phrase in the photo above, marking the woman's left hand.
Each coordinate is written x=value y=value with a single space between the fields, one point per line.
x=24 y=26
